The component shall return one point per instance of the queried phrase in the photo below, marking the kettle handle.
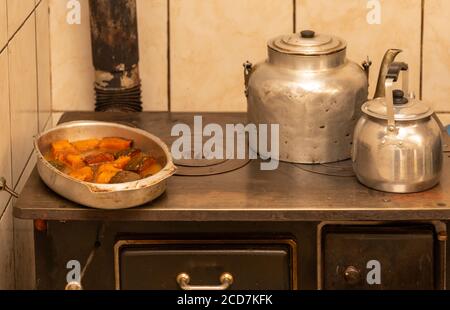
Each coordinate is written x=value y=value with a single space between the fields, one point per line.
x=248 y=70
x=391 y=77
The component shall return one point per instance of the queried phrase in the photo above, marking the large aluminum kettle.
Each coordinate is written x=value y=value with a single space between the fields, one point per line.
x=397 y=142
x=309 y=87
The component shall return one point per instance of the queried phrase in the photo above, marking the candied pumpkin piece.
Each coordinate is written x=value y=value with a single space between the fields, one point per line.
x=149 y=167
x=61 y=148
x=86 y=145
x=75 y=161
x=115 y=144
x=105 y=173
x=83 y=174
x=121 y=162
x=61 y=145
x=99 y=158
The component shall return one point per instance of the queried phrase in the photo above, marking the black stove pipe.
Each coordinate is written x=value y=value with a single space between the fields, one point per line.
x=115 y=52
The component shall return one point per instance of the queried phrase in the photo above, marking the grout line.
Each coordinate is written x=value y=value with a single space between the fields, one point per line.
x=422 y=27
x=294 y=15
x=36 y=71
x=169 y=64
x=20 y=26
x=48 y=12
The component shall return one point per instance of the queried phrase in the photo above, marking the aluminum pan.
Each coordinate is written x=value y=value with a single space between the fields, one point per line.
x=104 y=196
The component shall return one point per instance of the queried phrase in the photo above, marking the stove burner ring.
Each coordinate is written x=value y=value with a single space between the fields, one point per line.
x=337 y=169
x=204 y=166
x=223 y=166
x=198 y=162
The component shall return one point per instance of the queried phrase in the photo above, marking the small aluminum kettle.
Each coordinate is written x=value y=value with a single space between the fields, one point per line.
x=397 y=144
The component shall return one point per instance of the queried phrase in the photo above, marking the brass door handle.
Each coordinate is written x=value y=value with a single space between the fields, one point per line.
x=73 y=286
x=183 y=280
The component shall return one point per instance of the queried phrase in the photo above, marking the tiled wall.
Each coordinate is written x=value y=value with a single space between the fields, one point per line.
x=192 y=50
x=25 y=106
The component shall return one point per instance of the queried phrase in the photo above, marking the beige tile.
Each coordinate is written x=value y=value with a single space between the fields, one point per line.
x=56 y=116
x=7 y=250
x=71 y=59
x=210 y=40
x=436 y=51
x=400 y=28
x=18 y=10
x=3 y=25
x=43 y=63
x=23 y=95
x=445 y=118
x=27 y=170
x=5 y=135
x=152 y=28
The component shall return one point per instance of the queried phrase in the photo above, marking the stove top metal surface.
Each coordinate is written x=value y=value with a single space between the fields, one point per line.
x=238 y=190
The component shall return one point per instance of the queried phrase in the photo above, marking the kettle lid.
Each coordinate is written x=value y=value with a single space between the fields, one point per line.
x=308 y=43
x=405 y=109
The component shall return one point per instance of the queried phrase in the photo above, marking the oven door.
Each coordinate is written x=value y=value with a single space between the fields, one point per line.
x=381 y=257
x=211 y=265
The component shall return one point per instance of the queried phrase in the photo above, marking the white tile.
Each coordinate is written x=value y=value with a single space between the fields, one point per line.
x=399 y=28
x=152 y=31
x=43 y=63
x=3 y=24
x=210 y=40
x=27 y=170
x=5 y=135
x=436 y=51
x=71 y=59
x=7 y=250
x=18 y=10
x=23 y=95
x=56 y=116
x=445 y=118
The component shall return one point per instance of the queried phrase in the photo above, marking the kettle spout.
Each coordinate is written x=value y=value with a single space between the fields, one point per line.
x=388 y=59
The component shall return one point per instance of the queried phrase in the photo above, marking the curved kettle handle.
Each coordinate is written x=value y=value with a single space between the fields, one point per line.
x=391 y=77
x=248 y=69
